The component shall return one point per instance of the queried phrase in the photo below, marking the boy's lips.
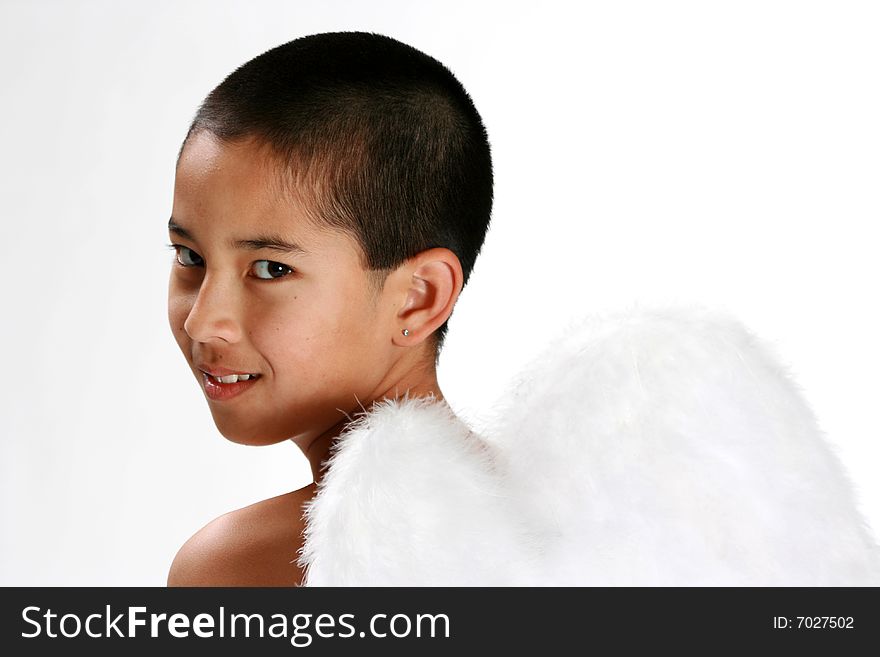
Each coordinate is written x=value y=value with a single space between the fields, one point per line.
x=219 y=390
x=217 y=371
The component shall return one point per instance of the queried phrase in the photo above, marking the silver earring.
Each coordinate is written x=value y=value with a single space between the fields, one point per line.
x=405 y=331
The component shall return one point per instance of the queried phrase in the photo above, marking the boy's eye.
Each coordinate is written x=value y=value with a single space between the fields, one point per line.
x=268 y=269
x=188 y=258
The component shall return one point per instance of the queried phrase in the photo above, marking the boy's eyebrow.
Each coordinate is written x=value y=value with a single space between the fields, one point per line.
x=269 y=242
x=265 y=241
x=177 y=229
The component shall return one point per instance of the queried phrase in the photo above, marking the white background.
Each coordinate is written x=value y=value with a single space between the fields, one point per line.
x=723 y=153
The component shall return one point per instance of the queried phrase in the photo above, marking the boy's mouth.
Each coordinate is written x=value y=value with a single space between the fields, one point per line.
x=231 y=378
x=221 y=387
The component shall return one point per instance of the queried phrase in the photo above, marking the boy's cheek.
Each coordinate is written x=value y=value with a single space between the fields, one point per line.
x=178 y=311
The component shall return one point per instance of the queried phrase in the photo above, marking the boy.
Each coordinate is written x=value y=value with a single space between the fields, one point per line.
x=331 y=197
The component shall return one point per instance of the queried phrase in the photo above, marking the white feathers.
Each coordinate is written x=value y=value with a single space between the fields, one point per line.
x=410 y=499
x=652 y=447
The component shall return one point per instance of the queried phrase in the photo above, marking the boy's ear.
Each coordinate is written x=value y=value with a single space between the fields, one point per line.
x=430 y=284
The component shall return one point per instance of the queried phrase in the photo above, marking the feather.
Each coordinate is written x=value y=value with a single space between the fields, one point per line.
x=410 y=498
x=649 y=447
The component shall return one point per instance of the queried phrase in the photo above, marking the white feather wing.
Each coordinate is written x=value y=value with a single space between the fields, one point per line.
x=670 y=447
x=412 y=498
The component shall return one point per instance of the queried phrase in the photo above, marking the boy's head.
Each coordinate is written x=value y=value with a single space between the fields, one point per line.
x=329 y=194
x=373 y=137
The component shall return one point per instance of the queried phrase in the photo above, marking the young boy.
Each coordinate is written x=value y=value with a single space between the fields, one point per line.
x=331 y=197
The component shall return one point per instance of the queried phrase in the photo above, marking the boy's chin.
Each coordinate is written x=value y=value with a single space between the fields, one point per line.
x=247 y=435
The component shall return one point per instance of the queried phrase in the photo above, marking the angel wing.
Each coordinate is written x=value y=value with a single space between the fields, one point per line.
x=412 y=497
x=669 y=446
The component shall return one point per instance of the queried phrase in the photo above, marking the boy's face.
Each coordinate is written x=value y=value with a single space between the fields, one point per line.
x=304 y=322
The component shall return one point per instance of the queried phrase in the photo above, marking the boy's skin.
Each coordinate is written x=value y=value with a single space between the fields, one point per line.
x=319 y=340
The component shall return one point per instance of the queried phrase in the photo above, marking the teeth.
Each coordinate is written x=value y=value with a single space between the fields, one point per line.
x=234 y=378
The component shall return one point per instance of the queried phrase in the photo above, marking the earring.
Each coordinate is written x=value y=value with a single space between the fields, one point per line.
x=405 y=331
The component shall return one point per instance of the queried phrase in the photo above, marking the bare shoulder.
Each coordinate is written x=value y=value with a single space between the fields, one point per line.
x=253 y=546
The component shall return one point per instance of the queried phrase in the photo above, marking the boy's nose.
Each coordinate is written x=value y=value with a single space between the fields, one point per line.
x=214 y=315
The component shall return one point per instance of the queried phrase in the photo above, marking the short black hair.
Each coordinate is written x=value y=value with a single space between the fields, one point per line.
x=383 y=139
